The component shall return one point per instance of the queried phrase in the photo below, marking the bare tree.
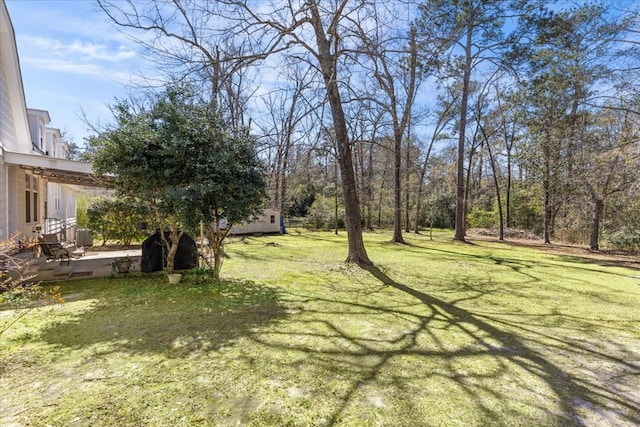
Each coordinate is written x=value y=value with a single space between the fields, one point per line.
x=286 y=109
x=200 y=32
x=395 y=69
x=313 y=32
x=189 y=41
x=608 y=162
x=443 y=116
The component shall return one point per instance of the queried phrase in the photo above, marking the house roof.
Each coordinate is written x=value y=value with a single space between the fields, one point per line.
x=57 y=170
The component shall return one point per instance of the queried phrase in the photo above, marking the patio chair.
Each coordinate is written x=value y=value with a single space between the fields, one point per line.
x=53 y=249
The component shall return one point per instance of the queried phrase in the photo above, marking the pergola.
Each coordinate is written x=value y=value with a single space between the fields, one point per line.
x=56 y=170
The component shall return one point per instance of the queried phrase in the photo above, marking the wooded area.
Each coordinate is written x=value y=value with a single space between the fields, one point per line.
x=516 y=114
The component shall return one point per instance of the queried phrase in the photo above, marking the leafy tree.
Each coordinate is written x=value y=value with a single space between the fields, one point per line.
x=175 y=155
x=198 y=36
x=116 y=218
x=301 y=201
x=474 y=29
x=82 y=204
x=100 y=219
x=575 y=58
x=608 y=162
x=322 y=214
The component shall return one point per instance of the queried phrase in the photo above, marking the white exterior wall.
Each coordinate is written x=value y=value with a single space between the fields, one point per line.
x=263 y=224
x=14 y=126
x=34 y=131
x=41 y=135
x=14 y=129
x=11 y=199
x=28 y=229
x=61 y=199
x=8 y=138
x=4 y=201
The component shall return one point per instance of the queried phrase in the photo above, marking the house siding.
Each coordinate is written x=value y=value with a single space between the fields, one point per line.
x=262 y=224
x=14 y=130
x=4 y=201
x=7 y=125
x=11 y=211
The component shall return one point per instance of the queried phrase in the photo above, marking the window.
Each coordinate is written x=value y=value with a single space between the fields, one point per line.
x=36 y=205
x=57 y=205
x=27 y=205
x=27 y=197
x=31 y=201
x=273 y=219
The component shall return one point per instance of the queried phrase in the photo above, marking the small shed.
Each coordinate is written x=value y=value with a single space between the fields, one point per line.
x=267 y=223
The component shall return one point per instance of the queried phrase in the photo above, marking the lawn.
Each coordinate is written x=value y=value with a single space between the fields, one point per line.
x=438 y=333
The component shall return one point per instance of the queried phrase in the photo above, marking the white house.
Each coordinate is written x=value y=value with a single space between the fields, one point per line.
x=37 y=182
x=60 y=204
x=268 y=223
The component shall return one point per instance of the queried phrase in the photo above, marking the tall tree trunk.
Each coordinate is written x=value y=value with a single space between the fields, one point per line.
x=508 y=143
x=460 y=184
x=547 y=209
x=423 y=170
x=418 y=208
x=508 y=190
x=283 y=176
x=276 y=180
x=357 y=252
x=397 y=189
x=370 y=188
x=596 y=216
x=495 y=183
x=335 y=196
x=381 y=194
x=407 y=184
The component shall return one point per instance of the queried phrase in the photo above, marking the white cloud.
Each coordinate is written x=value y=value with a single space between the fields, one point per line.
x=70 y=66
x=85 y=50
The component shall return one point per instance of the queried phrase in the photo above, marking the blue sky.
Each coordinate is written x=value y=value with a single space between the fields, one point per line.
x=72 y=60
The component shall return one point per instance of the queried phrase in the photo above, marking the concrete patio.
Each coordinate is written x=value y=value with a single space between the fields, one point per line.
x=94 y=263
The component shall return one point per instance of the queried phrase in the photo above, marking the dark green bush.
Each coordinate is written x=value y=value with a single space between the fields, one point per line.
x=624 y=239
x=113 y=218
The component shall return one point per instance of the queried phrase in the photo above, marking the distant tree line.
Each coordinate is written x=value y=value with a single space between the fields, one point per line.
x=512 y=114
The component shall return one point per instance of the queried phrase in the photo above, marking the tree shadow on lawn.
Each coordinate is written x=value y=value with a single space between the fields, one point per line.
x=173 y=321
x=530 y=378
x=571 y=392
x=524 y=268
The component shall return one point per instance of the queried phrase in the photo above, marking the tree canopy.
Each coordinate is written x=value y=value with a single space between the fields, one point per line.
x=500 y=106
x=174 y=153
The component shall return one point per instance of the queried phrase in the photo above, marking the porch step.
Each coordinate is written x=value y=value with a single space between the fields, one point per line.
x=53 y=270
x=32 y=267
x=62 y=272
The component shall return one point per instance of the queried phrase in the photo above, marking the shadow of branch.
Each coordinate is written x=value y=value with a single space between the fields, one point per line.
x=571 y=393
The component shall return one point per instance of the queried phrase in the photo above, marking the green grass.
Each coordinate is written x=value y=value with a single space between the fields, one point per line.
x=436 y=334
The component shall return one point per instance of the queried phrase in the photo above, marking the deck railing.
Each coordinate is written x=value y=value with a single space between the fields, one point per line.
x=64 y=228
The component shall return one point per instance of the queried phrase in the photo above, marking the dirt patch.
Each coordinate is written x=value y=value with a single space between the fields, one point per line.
x=612 y=257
